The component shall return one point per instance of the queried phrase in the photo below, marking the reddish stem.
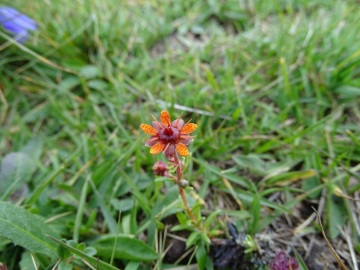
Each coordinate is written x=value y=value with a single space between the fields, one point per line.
x=181 y=190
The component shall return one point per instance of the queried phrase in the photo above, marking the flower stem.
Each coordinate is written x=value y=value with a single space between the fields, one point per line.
x=179 y=173
x=187 y=208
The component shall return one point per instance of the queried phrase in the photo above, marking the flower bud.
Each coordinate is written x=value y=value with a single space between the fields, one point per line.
x=159 y=168
x=284 y=262
x=183 y=183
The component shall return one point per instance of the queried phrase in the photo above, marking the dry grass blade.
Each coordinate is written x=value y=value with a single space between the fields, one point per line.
x=347 y=236
x=232 y=192
x=329 y=244
x=338 y=192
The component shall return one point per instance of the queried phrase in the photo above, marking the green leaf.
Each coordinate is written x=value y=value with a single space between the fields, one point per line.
x=255 y=211
x=90 y=71
x=95 y=262
x=65 y=266
x=348 y=91
x=63 y=253
x=336 y=214
x=253 y=163
x=25 y=229
x=104 y=209
x=310 y=184
x=210 y=218
x=34 y=147
x=201 y=256
x=16 y=169
x=122 y=205
x=211 y=80
x=237 y=179
x=68 y=84
x=125 y=248
x=133 y=265
x=287 y=178
x=27 y=261
x=300 y=260
x=193 y=239
x=98 y=85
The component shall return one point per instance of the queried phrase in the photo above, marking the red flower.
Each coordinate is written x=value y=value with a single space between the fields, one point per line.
x=169 y=136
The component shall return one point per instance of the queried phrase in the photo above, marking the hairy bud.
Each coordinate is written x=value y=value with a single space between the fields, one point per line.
x=183 y=183
x=159 y=168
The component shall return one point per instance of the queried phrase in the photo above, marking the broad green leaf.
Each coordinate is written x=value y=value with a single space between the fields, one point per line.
x=16 y=169
x=26 y=229
x=309 y=184
x=125 y=248
x=68 y=84
x=122 y=205
x=34 y=147
x=65 y=266
x=95 y=262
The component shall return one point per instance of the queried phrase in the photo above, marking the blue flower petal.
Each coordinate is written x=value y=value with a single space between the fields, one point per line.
x=16 y=23
x=12 y=27
x=21 y=37
x=26 y=22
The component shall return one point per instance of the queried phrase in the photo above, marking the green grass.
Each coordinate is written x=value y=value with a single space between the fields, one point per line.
x=273 y=86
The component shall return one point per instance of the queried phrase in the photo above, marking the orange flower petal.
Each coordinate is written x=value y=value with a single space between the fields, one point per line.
x=182 y=149
x=148 y=129
x=157 y=148
x=188 y=128
x=165 y=118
